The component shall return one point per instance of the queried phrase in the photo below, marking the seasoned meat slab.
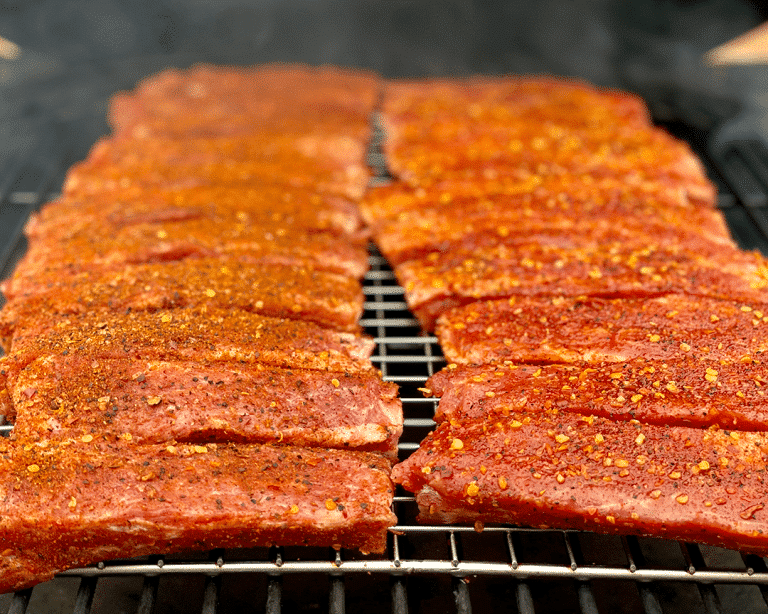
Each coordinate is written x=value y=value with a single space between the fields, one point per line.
x=213 y=100
x=205 y=335
x=638 y=154
x=681 y=392
x=584 y=214
x=268 y=243
x=564 y=470
x=595 y=330
x=551 y=194
x=529 y=127
x=74 y=396
x=439 y=282
x=414 y=239
x=479 y=101
x=328 y=299
x=103 y=214
x=286 y=168
x=328 y=151
x=75 y=503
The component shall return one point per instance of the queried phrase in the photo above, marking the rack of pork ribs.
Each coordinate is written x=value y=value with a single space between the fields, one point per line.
x=184 y=366
x=604 y=335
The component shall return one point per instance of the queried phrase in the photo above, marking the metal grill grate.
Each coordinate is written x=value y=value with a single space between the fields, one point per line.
x=427 y=568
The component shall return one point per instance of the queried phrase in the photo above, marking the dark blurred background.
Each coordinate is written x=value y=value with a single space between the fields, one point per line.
x=75 y=53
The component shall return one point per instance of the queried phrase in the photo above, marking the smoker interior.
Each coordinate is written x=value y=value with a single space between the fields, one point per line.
x=426 y=568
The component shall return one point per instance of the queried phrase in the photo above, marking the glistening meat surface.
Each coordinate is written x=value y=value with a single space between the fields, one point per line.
x=328 y=299
x=439 y=282
x=561 y=470
x=284 y=169
x=207 y=335
x=213 y=100
x=267 y=205
x=411 y=240
x=268 y=243
x=74 y=396
x=75 y=503
x=573 y=329
x=678 y=392
x=566 y=191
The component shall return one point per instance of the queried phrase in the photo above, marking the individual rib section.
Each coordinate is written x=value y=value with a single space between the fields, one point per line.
x=104 y=214
x=73 y=396
x=506 y=130
x=587 y=329
x=679 y=392
x=325 y=164
x=564 y=190
x=216 y=101
x=562 y=470
x=438 y=282
x=421 y=110
x=328 y=299
x=72 y=503
x=579 y=215
x=327 y=150
x=193 y=239
x=205 y=335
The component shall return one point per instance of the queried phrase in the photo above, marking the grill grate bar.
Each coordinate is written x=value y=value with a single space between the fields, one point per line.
x=414 y=341
x=85 y=595
x=20 y=601
x=524 y=599
x=742 y=179
x=383 y=305
x=635 y=557
x=587 y=599
x=406 y=379
x=695 y=560
x=380 y=321
x=379 y=276
x=148 y=595
x=407 y=359
x=756 y=564
x=755 y=155
x=380 y=291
